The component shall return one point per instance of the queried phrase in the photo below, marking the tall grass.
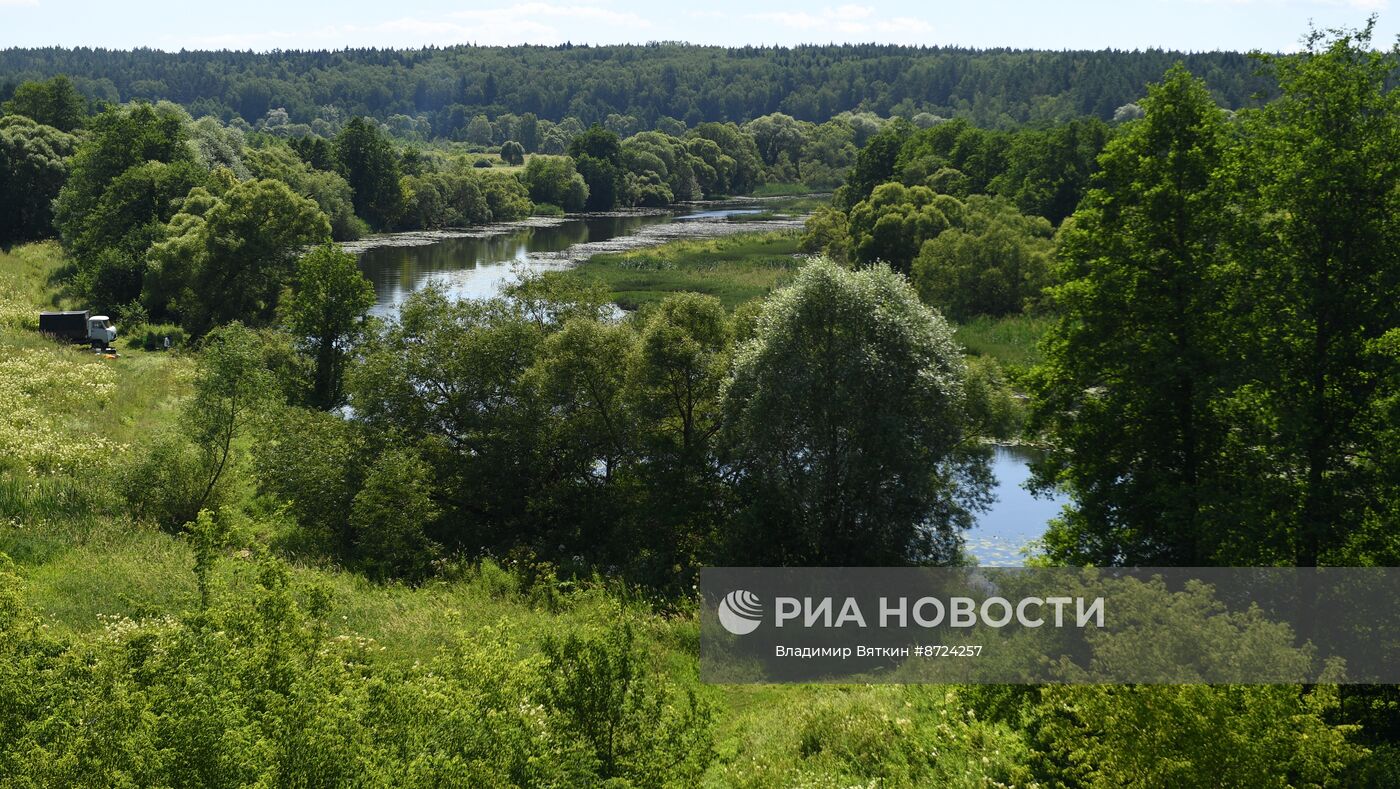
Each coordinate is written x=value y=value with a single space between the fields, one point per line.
x=1012 y=341
x=734 y=269
x=782 y=189
x=26 y=279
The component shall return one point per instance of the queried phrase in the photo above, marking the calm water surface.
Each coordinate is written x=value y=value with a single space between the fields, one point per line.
x=1017 y=517
x=477 y=264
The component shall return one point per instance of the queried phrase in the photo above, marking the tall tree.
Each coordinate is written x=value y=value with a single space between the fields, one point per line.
x=231 y=386
x=1320 y=264
x=368 y=161
x=846 y=428
x=512 y=152
x=598 y=156
x=33 y=166
x=1132 y=367
x=119 y=139
x=228 y=258
x=327 y=313
x=681 y=363
x=874 y=164
x=52 y=102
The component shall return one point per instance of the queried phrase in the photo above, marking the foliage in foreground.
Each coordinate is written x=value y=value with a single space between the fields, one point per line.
x=257 y=689
x=266 y=684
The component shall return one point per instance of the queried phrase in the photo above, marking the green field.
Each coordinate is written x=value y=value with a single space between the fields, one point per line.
x=319 y=671
x=733 y=269
x=88 y=570
x=1012 y=340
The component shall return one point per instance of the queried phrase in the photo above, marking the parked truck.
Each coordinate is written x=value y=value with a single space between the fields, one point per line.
x=78 y=326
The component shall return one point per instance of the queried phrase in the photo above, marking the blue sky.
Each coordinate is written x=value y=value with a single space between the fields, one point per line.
x=1274 y=25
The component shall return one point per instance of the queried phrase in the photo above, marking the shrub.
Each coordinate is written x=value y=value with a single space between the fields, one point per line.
x=152 y=337
x=603 y=693
x=390 y=514
x=164 y=483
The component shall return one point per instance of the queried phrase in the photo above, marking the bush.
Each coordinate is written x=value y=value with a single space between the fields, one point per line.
x=165 y=483
x=991 y=404
x=255 y=689
x=603 y=693
x=151 y=337
x=390 y=514
x=1192 y=736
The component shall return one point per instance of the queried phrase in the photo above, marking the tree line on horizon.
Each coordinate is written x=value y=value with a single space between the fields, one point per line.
x=439 y=92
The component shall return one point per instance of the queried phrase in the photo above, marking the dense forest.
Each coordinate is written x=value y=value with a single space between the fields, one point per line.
x=437 y=93
x=308 y=546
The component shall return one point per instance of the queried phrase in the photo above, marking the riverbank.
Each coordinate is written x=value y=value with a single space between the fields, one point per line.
x=734 y=269
x=477 y=262
x=87 y=584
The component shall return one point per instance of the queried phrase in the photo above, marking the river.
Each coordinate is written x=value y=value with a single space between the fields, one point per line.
x=476 y=262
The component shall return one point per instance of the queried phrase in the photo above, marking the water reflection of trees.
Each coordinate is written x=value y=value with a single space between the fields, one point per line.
x=398 y=271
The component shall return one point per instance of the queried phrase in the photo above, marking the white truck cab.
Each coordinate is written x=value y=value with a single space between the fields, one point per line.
x=100 y=328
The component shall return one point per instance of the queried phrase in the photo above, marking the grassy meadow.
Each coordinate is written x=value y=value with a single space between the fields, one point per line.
x=1013 y=340
x=733 y=269
x=468 y=653
x=85 y=565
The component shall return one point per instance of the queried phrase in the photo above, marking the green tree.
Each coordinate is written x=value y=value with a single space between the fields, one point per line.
x=33 y=167
x=779 y=137
x=231 y=388
x=1131 y=377
x=506 y=197
x=444 y=199
x=119 y=139
x=597 y=155
x=681 y=362
x=327 y=313
x=602 y=690
x=315 y=461
x=53 y=102
x=513 y=152
x=390 y=517
x=529 y=132
x=1048 y=171
x=553 y=180
x=894 y=222
x=733 y=143
x=368 y=161
x=122 y=186
x=228 y=258
x=580 y=379
x=846 y=427
x=479 y=130
x=874 y=165
x=1319 y=256
x=449 y=375
x=996 y=264
x=668 y=159
x=828 y=154
x=826 y=233
x=329 y=189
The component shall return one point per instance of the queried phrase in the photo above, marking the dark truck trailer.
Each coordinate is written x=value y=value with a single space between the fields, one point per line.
x=78 y=326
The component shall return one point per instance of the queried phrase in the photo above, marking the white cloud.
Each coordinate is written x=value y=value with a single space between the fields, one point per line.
x=848 y=20
x=18 y=3
x=528 y=12
x=532 y=22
